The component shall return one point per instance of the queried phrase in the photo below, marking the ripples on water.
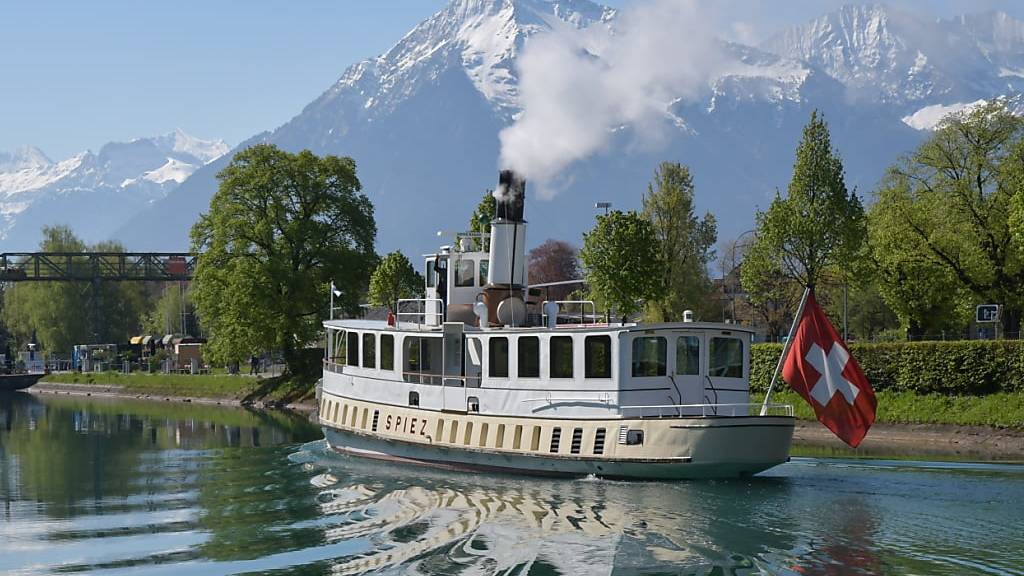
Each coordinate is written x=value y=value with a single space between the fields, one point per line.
x=126 y=488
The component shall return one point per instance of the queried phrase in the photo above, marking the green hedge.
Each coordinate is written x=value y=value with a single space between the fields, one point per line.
x=967 y=368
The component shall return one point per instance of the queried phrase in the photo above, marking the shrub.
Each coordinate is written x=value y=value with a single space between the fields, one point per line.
x=965 y=368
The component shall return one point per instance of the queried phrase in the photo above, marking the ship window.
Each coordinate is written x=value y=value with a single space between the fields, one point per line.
x=499 y=438
x=483 y=434
x=529 y=357
x=439 y=432
x=597 y=352
x=387 y=352
x=353 y=349
x=454 y=432
x=344 y=413
x=497 y=361
x=688 y=356
x=376 y=419
x=414 y=398
x=366 y=413
x=561 y=356
x=599 y=441
x=467 y=438
x=535 y=441
x=369 y=350
x=338 y=354
x=556 y=438
x=355 y=411
x=649 y=356
x=517 y=437
x=577 y=441
x=472 y=404
x=431 y=273
x=334 y=413
x=464 y=272
x=482 y=279
x=725 y=357
x=634 y=437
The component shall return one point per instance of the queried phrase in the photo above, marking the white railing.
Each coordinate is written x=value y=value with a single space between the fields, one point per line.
x=705 y=410
x=582 y=316
x=422 y=316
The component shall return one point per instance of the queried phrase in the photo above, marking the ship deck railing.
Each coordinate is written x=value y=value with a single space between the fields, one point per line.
x=708 y=410
x=569 y=318
x=420 y=316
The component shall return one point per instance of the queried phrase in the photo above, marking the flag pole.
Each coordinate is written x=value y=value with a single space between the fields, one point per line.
x=785 y=350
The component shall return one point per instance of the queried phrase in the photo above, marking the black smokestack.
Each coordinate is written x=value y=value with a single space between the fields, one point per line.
x=510 y=195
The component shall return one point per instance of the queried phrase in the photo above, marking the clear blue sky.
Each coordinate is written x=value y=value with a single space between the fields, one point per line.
x=77 y=74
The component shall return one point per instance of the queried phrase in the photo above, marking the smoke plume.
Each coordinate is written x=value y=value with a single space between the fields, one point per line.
x=578 y=87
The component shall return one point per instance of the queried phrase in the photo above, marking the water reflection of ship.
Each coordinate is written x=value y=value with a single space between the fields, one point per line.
x=581 y=527
x=436 y=519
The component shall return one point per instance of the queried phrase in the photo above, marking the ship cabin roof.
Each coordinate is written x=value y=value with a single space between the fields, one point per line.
x=383 y=326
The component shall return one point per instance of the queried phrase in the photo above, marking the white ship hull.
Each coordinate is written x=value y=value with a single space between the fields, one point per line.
x=673 y=448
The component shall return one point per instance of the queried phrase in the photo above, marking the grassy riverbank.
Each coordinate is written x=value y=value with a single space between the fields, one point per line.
x=1001 y=409
x=212 y=386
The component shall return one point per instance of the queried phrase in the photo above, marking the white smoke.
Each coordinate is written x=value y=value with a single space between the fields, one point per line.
x=578 y=87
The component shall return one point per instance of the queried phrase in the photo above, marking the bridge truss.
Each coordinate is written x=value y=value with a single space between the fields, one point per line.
x=94 y=268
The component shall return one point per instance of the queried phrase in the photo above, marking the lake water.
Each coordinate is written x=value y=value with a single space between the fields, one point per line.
x=104 y=487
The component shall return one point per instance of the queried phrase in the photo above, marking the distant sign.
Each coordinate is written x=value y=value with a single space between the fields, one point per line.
x=987 y=313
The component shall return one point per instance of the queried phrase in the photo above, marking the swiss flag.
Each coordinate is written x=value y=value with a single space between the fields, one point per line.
x=820 y=368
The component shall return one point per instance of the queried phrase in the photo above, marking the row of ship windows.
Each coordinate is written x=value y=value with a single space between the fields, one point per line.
x=649 y=355
x=449 y=431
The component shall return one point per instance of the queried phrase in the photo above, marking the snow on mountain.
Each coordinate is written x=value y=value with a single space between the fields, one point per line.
x=928 y=118
x=24 y=158
x=94 y=193
x=882 y=54
x=422 y=119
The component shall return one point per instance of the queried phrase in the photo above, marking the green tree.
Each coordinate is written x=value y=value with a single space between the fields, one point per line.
x=817 y=229
x=941 y=228
x=480 y=221
x=685 y=242
x=280 y=227
x=622 y=261
x=60 y=313
x=165 y=316
x=393 y=279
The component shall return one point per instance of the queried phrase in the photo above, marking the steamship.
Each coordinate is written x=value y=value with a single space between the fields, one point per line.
x=483 y=373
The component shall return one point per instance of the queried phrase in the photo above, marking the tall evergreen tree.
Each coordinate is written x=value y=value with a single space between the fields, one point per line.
x=684 y=241
x=817 y=229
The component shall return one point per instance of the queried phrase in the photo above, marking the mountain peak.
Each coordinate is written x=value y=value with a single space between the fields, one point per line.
x=23 y=157
x=205 y=150
x=480 y=37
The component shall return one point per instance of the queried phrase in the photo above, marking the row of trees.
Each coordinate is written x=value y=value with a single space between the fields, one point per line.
x=937 y=239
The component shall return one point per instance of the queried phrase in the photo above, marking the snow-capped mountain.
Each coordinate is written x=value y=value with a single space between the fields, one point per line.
x=94 y=193
x=422 y=119
x=881 y=54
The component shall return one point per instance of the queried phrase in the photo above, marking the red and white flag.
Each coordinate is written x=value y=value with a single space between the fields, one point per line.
x=820 y=368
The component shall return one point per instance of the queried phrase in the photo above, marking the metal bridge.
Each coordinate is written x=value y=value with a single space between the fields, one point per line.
x=96 y=266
